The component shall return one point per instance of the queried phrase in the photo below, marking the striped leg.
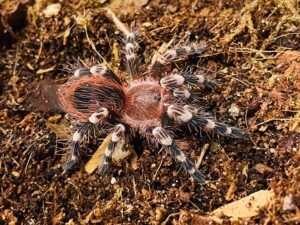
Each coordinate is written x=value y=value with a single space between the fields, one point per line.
x=177 y=53
x=117 y=135
x=163 y=137
x=131 y=56
x=198 y=122
x=178 y=80
x=94 y=119
x=98 y=70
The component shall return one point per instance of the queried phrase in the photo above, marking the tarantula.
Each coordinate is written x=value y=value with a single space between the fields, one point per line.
x=153 y=107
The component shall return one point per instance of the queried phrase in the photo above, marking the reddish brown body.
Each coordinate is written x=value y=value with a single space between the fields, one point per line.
x=139 y=105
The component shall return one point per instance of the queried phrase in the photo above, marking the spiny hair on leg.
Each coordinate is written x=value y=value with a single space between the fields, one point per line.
x=107 y=157
x=75 y=144
x=178 y=52
x=166 y=141
x=182 y=50
x=71 y=68
x=175 y=80
x=199 y=122
x=188 y=166
x=117 y=134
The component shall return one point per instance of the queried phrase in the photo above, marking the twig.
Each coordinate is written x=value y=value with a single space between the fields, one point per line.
x=203 y=151
x=159 y=166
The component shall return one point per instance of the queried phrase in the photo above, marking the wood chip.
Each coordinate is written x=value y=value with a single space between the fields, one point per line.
x=263 y=169
x=46 y=70
x=230 y=193
x=246 y=207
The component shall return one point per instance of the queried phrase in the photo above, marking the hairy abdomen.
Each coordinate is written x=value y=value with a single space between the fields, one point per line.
x=81 y=98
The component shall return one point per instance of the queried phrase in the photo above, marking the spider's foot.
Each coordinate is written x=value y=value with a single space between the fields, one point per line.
x=198 y=177
x=70 y=163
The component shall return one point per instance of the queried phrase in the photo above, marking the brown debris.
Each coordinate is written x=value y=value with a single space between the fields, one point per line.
x=263 y=169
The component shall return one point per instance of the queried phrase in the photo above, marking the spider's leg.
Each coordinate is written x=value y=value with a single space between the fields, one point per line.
x=97 y=70
x=190 y=116
x=104 y=71
x=117 y=135
x=174 y=80
x=93 y=120
x=131 y=47
x=176 y=54
x=164 y=138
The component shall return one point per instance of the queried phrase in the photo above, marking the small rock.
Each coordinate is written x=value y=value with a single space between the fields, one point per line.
x=147 y=24
x=15 y=174
x=234 y=110
x=272 y=150
x=113 y=180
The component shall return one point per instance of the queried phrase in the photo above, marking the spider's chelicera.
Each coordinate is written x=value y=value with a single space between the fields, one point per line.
x=155 y=108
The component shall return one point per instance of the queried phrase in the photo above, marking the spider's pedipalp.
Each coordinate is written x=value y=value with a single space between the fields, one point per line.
x=179 y=114
x=117 y=135
x=164 y=138
x=97 y=70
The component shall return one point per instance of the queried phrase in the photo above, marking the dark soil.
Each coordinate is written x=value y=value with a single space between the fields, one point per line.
x=253 y=52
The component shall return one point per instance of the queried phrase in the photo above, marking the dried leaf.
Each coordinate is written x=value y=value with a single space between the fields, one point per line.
x=97 y=158
x=246 y=207
x=121 y=26
x=61 y=131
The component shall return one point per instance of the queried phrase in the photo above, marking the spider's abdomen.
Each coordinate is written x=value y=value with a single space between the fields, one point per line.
x=82 y=97
x=144 y=104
